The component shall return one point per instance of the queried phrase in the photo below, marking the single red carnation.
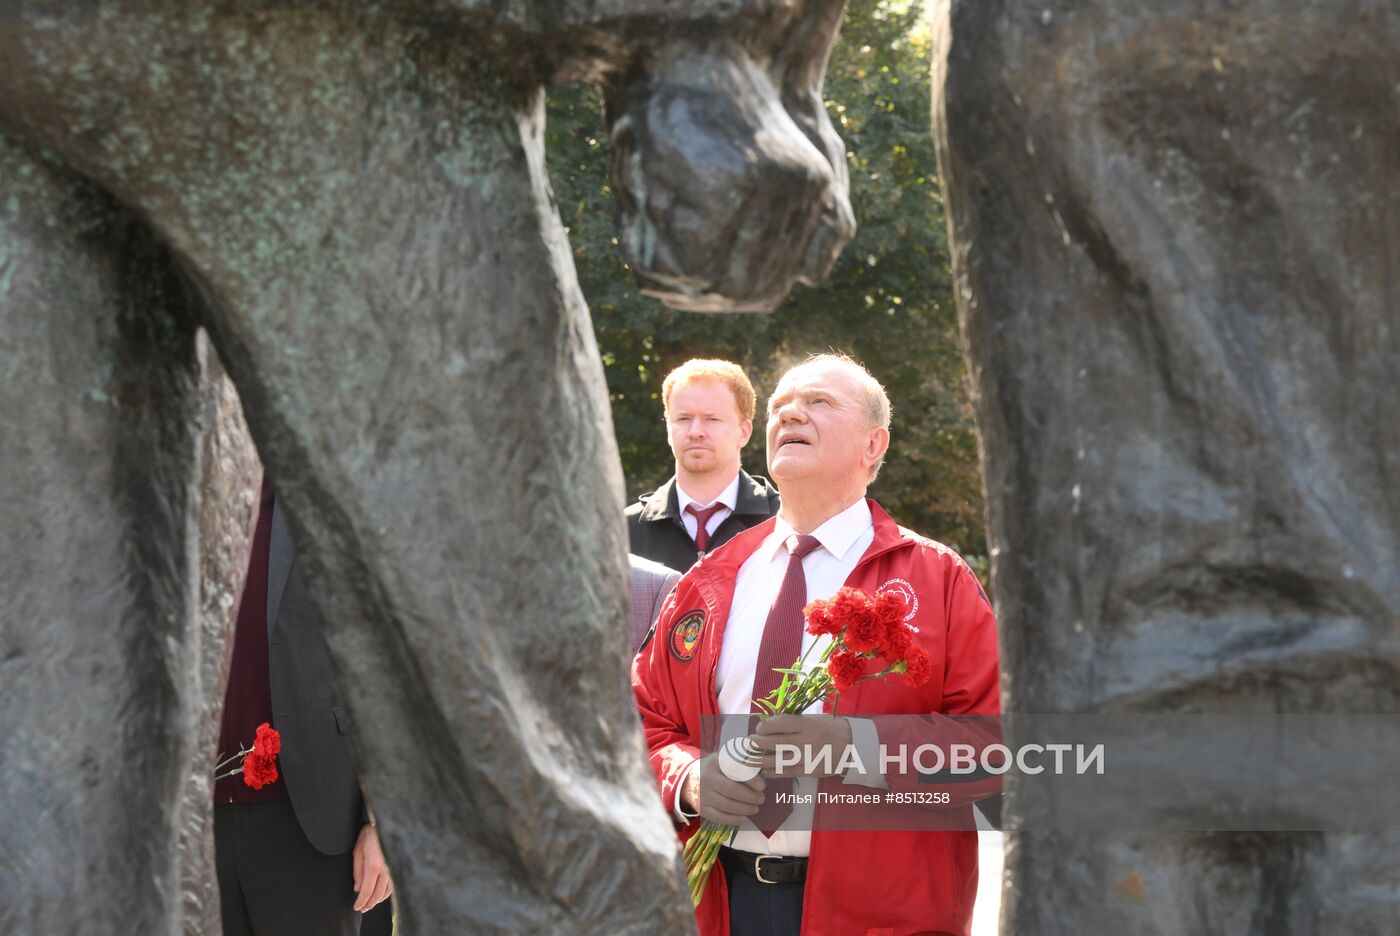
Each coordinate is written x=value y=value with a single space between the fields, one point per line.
x=897 y=641
x=892 y=607
x=845 y=669
x=259 y=771
x=848 y=604
x=920 y=667
x=865 y=633
x=267 y=741
x=819 y=619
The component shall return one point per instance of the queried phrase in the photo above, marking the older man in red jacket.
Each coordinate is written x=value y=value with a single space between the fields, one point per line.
x=737 y=614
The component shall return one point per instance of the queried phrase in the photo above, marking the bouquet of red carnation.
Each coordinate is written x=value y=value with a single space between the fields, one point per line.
x=864 y=629
x=257 y=764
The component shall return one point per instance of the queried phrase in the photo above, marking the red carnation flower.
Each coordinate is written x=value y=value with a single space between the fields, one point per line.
x=845 y=669
x=819 y=618
x=897 y=642
x=892 y=607
x=267 y=742
x=920 y=668
x=865 y=633
x=259 y=771
x=847 y=605
x=260 y=764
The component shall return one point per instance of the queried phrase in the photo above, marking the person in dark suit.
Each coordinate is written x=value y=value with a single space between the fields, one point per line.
x=299 y=856
x=650 y=583
x=709 y=408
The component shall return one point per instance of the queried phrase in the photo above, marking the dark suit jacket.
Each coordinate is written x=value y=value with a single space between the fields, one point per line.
x=315 y=761
x=657 y=532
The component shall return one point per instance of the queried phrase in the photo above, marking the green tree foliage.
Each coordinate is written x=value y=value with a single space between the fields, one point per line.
x=887 y=302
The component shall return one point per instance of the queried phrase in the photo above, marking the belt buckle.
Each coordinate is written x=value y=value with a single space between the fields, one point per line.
x=758 y=868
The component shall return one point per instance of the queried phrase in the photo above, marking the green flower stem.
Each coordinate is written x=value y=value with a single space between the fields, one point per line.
x=701 y=853
x=792 y=697
x=220 y=765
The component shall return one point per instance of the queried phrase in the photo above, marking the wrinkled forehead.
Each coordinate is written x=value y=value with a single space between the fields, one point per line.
x=830 y=377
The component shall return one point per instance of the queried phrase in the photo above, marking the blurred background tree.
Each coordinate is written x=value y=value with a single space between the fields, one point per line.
x=888 y=302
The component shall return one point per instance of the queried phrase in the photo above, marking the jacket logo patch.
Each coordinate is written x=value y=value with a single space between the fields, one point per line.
x=901 y=586
x=685 y=635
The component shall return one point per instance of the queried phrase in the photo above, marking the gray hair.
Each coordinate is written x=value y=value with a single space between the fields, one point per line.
x=877 y=401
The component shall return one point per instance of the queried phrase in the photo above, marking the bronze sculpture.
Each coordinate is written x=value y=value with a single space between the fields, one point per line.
x=1174 y=230
x=351 y=200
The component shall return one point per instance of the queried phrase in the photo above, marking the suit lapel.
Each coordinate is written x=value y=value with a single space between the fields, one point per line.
x=280 y=556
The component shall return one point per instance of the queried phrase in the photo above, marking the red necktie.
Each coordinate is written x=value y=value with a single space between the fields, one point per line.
x=781 y=646
x=702 y=521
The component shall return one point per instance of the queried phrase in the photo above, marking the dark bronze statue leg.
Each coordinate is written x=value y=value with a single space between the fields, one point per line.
x=355 y=198
x=99 y=637
x=442 y=441
x=1176 y=239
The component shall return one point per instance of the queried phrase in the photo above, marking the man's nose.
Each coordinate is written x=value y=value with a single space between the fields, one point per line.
x=791 y=412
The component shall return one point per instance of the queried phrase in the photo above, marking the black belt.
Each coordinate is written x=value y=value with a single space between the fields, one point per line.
x=769 y=869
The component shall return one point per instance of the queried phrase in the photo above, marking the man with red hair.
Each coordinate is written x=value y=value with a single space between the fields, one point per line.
x=709 y=407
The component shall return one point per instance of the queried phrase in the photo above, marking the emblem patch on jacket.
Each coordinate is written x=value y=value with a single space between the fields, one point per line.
x=685 y=635
x=902 y=587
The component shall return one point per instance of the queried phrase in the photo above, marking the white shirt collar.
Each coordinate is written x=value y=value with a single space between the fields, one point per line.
x=728 y=497
x=836 y=535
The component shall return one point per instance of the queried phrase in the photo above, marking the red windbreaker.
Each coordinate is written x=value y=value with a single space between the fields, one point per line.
x=886 y=883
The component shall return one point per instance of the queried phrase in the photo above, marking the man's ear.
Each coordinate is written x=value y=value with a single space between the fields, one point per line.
x=877 y=445
x=746 y=428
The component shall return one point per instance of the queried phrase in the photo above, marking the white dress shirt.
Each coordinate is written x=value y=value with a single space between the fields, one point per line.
x=844 y=539
x=728 y=497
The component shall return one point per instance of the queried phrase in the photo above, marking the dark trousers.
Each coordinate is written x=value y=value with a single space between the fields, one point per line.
x=272 y=882
x=758 y=909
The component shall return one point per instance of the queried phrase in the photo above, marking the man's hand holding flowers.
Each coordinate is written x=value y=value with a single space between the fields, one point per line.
x=811 y=735
x=717 y=798
x=870 y=639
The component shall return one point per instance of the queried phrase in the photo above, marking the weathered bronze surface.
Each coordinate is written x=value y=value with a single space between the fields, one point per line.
x=351 y=199
x=1176 y=235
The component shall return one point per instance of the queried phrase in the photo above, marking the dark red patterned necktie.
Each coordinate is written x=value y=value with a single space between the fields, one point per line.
x=781 y=646
x=702 y=522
